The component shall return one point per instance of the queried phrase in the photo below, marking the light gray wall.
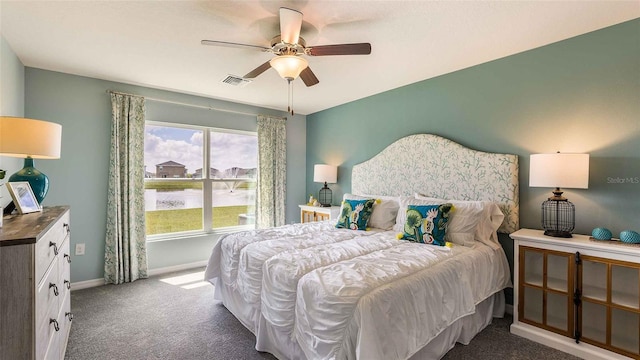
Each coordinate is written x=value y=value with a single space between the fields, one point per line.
x=79 y=177
x=11 y=104
x=578 y=95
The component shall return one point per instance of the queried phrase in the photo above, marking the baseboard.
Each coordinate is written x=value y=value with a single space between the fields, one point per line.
x=508 y=309
x=153 y=272
x=86 y=284
x=169 y=269
x=562 y=343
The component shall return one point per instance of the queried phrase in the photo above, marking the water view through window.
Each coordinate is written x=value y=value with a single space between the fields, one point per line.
x=177 y=196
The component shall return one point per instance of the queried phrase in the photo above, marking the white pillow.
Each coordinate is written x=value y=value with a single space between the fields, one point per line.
x=486 y=232
x=384 y=212
x=468 y=221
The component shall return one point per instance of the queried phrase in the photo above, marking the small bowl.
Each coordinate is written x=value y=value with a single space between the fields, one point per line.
x=630 y=236
x=601 y=233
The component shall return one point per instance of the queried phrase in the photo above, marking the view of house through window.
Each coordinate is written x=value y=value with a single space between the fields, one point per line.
x=182 y=195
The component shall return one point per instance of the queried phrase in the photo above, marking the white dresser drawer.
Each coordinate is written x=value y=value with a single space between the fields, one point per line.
x=64 y=268
x=49 y=245
x=65 y=318
x=53 y=348
x=57 y=343
x=47 y=309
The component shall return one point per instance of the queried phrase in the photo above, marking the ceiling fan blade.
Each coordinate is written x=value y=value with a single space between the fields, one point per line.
x=233 y=45
x=308 y=77
x=257 y=71
x=340 y=49
x=290 y=25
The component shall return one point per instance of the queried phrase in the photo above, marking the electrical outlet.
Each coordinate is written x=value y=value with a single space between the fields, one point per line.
x=80 y=249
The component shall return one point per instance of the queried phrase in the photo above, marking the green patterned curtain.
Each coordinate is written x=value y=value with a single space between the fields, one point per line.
x=125 y=256
x=272 y=172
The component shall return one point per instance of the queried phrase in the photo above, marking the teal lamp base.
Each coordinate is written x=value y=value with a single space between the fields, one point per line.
x=39 y=182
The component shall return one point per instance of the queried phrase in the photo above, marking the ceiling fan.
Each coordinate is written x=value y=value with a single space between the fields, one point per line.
x=289 y=47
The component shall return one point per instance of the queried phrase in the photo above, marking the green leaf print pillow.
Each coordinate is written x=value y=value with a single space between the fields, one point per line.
x=355 y=214
x=427 y=223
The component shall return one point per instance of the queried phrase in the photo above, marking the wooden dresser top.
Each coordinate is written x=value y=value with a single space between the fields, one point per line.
x=28 y=228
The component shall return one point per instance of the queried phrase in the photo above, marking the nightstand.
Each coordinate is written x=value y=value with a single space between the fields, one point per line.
x=577 y=295
x=318 y=213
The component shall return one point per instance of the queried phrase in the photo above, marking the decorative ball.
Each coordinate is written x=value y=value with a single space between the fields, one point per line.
x=601 y=233
x=630 y=236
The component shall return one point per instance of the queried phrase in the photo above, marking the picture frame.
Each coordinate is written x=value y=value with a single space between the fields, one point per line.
x=23 y=197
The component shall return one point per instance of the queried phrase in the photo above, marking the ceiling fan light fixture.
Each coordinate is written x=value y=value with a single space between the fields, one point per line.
x=289 y=67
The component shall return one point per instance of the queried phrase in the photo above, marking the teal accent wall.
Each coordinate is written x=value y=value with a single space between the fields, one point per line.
x=11 y=104
x=578 y=95
x=79 y=177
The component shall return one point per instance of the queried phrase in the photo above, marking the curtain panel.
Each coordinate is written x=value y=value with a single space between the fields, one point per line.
x=125 y=258
x=272 y=172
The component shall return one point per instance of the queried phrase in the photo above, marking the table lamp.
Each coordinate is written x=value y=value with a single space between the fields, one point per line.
x=326 y=174
x=556 y=171
x=30 y=139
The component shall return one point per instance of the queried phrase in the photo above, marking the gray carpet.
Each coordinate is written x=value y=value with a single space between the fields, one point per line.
x=153 y=319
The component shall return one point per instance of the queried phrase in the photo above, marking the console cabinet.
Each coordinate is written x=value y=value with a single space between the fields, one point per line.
x=577 y=295
x=35 y=299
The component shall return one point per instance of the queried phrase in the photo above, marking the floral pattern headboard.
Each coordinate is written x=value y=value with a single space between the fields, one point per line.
x=438 y=167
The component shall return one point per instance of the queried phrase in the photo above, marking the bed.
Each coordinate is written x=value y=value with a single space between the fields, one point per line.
x=315 y=291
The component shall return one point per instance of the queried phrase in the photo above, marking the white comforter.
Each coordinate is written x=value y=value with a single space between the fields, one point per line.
x=345 y=294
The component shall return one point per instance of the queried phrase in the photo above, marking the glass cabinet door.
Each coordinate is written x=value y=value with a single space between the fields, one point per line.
x=533 y=261
x=610 y=309
x=624 y=330
x=546 y=289
x=594 y=279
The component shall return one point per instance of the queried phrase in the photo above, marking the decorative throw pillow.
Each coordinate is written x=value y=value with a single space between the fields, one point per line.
x=355 y=214
x=405 y=201
x=469 y=221
x=427 y=223
x=385 y=210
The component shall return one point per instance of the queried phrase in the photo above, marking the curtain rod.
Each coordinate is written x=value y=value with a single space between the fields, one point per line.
x=184 y=104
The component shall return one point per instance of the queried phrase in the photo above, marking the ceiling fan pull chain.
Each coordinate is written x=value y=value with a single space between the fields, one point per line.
x=290 y=107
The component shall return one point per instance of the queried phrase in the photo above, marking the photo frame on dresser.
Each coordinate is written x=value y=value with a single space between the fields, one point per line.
x=23 y=197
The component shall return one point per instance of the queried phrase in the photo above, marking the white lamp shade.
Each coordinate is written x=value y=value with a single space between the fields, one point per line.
x=559 y=170
x=325 y=173
x=20 y=137
x=289 y=66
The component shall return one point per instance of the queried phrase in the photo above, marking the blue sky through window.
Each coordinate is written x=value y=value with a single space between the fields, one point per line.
x=184 y=146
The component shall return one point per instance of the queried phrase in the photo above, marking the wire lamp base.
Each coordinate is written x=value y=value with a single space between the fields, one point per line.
x=558 y=217
x=555 y=233
x=325 y=196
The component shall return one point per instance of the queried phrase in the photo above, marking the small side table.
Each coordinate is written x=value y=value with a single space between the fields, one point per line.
x=318 y=213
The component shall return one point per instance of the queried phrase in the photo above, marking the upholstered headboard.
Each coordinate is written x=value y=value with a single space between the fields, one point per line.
x=438 y=167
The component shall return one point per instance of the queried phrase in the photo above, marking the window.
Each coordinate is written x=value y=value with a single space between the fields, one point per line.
x=182 y=195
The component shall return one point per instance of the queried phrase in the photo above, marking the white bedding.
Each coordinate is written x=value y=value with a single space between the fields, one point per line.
x=346 y=294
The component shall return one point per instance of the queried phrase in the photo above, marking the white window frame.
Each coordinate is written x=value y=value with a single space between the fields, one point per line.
x=207 y=182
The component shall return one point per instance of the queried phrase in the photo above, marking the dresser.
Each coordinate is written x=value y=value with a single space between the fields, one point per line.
x=318 y=213
x=35 y=307
x=577 y=295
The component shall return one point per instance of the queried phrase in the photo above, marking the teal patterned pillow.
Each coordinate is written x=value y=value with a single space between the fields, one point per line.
x=355 y=214
x=427 y=223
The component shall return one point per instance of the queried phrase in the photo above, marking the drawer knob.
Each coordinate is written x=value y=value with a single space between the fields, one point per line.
x=55 y=288
x=69 y=315
x=67 y=226
x=55 y=247
x=55 y=324
x=67 y=283
x=68 y=258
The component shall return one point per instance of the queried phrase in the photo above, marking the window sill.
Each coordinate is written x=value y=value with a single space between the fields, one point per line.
x=195 y=234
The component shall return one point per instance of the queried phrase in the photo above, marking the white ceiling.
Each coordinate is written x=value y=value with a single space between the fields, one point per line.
x=157 y=43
